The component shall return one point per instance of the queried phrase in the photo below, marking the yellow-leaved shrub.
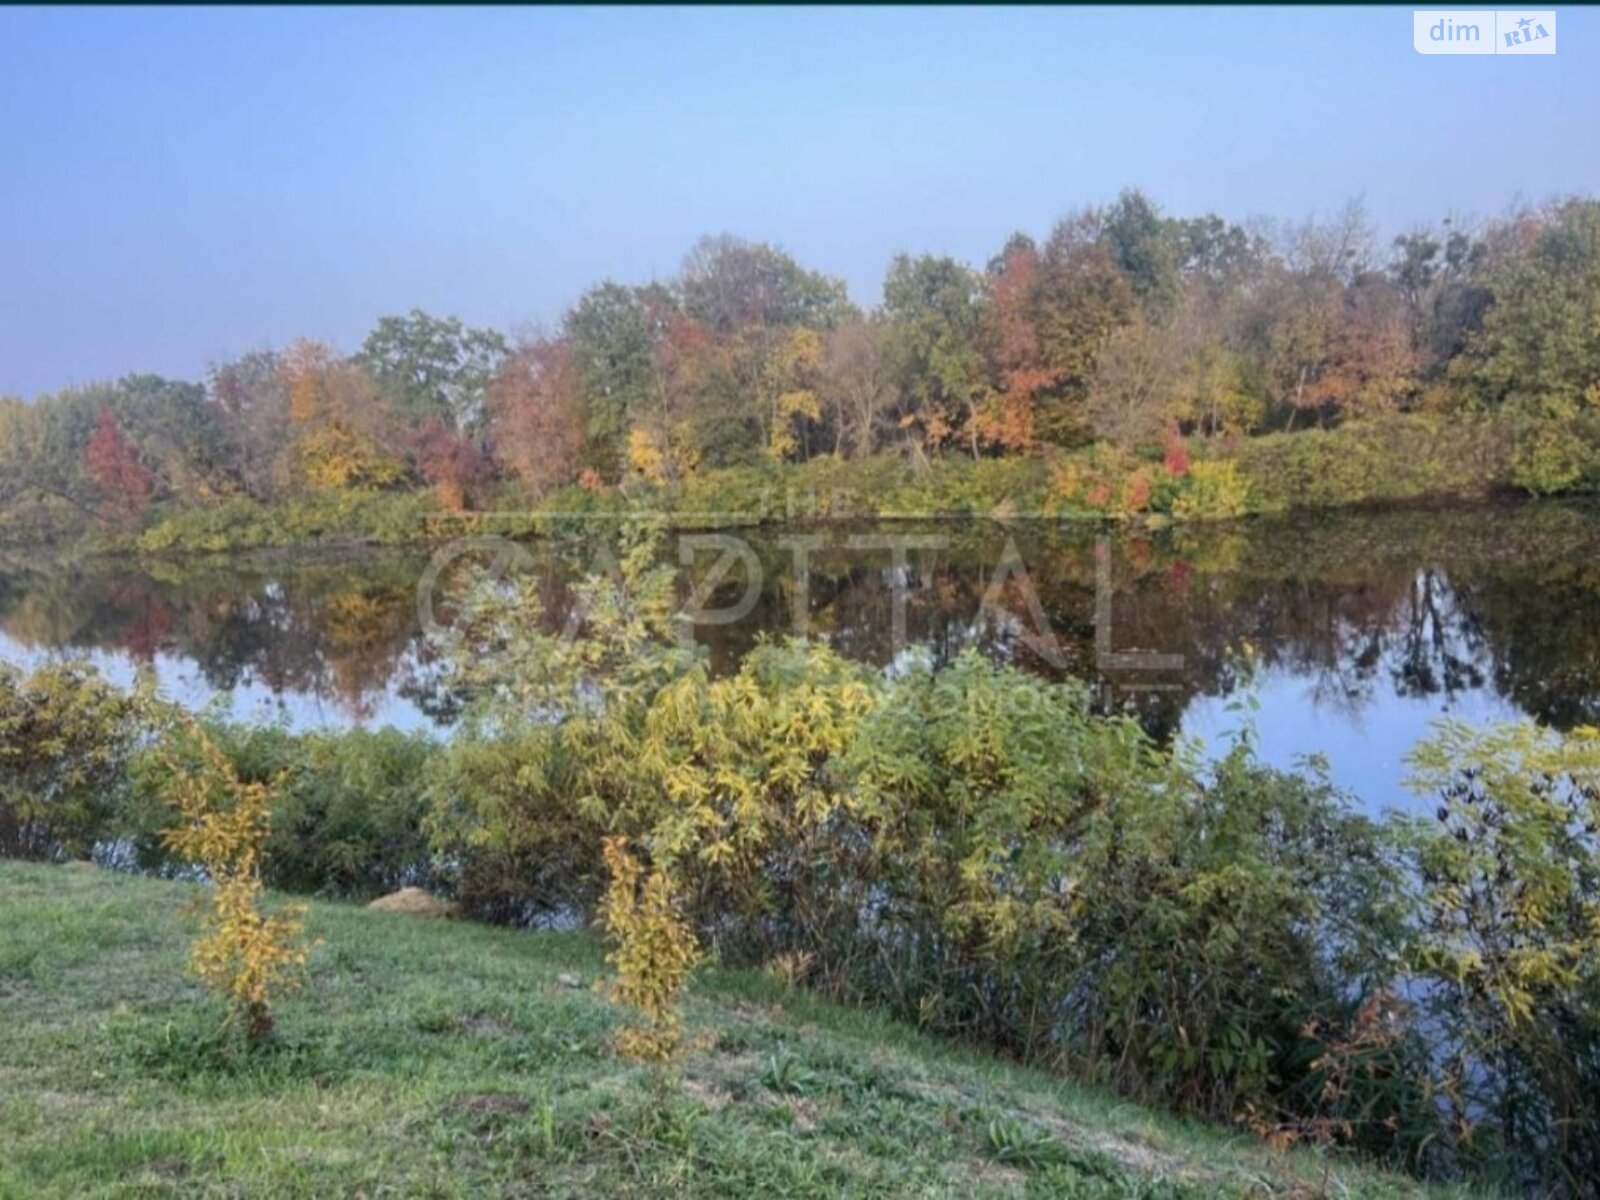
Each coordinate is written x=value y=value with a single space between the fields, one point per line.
x=247 y=956
x=653 y=950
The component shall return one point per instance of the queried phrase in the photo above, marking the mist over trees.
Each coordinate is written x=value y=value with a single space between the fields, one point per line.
x=1123 y=325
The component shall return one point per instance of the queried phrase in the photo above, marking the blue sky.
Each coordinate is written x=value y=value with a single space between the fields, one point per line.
x=178 y=186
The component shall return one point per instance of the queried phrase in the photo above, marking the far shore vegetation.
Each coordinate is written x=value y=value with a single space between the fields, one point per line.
x=1131 y=363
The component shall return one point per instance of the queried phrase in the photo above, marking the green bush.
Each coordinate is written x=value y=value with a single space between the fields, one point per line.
x=385 y=517
x=347 y=811
x=66 y=737
x=1552 y=457
x=1389 y=460
x=1051 y=882
x=970 y=845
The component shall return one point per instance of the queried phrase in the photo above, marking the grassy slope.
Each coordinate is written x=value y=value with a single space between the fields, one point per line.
x=448 y=1059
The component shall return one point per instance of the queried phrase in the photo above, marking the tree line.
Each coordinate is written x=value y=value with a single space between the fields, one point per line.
x=1125 y=325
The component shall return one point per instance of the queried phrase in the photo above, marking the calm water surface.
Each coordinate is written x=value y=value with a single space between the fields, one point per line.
x=1365 y=627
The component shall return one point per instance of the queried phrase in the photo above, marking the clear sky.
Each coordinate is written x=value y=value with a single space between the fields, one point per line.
x=181 y=185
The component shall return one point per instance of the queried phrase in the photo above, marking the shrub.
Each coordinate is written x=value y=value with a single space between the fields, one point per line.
x=1550 y=458
x=247 y=956
x=653 y=950
x=386 y=517
x=976 y=786
x=1226 y=915
x=1509 y=942
x=970 y=844
x=748 y=805
x=66 y=738
x=546 y=757
x=1095 y=481
x=1051 y=882
x=1212 y=490
x=1396 y=458
x=347 y=808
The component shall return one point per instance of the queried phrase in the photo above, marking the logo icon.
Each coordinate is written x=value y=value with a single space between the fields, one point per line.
x=1483 y=31
x=1526 y=32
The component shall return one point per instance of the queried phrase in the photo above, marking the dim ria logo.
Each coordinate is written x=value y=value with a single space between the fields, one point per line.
x=1477 y=31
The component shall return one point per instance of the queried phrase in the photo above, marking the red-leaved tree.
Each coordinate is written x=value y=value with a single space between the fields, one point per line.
x=453 y=464
x=124 y=482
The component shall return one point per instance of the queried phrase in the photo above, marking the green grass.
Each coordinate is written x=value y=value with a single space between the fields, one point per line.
x=434 y=1058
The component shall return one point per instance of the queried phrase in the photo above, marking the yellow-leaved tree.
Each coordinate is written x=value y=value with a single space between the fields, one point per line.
x=654 y=951
x=336 y=416
x=246 y=955
x=789 y=382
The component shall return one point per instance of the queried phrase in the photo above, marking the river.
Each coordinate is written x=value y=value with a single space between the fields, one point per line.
x=1353 y=631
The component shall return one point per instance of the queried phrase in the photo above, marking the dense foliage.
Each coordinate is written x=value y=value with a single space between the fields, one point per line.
x=66 y=739
x=973 y=848
x=1156 y=339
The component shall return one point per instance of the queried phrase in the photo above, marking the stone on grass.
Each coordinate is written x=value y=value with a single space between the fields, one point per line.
x=414 y=902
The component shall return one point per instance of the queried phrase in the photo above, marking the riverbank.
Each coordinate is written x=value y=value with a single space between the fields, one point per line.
x=448 y=1058
x=1398 y=460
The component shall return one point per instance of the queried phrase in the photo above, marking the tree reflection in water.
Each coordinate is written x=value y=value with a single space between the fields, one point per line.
x=1359 y=620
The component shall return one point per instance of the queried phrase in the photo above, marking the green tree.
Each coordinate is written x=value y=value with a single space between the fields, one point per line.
x=1080 y=298
x=251 y=398
x=1539 y=348
x=935 y=308
x=433 y=368
x=729 y=284
x=1146 y=247
x=613 y=353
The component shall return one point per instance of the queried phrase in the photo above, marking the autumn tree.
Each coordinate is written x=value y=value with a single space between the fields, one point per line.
x=1134 y=392
x=661 y=443
x=1081 y=296
x=1374 y=360
x=453 y=464
x=341 y=435
x=173 y=428
x=763 y=317
x=790 y=394
x=536 y=416
x=729 y=284
x=124 y=482
x=1301 y=314
x=1006 y=417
